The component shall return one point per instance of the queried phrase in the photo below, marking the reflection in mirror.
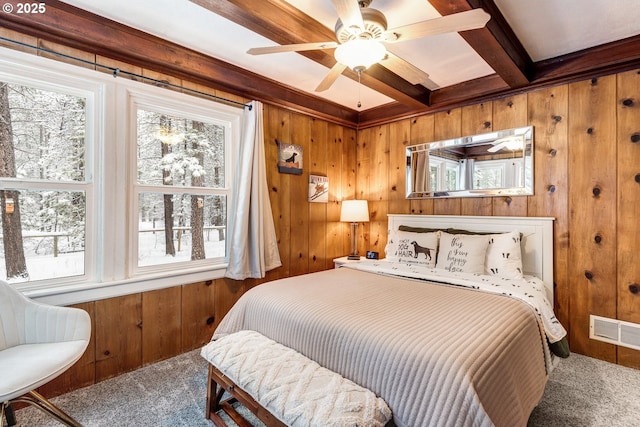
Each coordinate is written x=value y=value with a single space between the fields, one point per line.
x=491 y=164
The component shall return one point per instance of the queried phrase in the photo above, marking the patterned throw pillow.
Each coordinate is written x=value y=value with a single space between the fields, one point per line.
x=416 y=248
x=504 y=258
x=462 y=253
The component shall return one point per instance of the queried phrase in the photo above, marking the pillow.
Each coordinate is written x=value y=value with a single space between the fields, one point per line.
x=417 y=229
x=462 y=252
x=504 y=258
x=416 y=248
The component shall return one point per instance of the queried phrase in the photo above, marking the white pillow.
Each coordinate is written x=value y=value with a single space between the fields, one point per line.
x=416 y=248
x=462 y=252
x=504 y=258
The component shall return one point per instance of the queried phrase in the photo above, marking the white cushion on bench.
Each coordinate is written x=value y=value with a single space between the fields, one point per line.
x=292 y=387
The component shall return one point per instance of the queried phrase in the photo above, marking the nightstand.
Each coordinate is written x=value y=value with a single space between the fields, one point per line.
x=339 y=262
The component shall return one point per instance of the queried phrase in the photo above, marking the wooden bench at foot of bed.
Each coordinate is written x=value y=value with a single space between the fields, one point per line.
x=282 y=387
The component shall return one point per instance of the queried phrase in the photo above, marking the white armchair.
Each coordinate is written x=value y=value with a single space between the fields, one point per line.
x=38 y=342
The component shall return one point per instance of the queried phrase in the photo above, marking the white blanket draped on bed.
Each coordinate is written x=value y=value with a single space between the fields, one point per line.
x=439 y=355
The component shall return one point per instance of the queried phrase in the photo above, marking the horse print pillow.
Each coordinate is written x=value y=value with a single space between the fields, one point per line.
x=415 y=248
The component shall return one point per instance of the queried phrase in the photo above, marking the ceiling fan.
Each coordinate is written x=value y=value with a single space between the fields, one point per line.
x=362 y=33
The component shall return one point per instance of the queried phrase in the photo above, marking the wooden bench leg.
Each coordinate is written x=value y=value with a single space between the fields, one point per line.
x=218 y=384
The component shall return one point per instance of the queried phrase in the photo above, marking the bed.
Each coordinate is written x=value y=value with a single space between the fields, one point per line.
x=441 y=344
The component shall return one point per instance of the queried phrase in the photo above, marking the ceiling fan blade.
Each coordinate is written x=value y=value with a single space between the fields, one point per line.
x=331 y=77
x=291 y=48
x=407 y=71
x=462 y=21
x=349 y=13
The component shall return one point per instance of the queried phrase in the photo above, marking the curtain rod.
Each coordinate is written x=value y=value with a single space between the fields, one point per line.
x=117 y=71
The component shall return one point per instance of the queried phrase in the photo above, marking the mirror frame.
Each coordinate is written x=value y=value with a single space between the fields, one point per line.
x=412 y=153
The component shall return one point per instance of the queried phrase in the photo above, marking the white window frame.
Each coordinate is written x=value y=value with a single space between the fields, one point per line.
x=512 y=170
x=443 y=165
x=109 y=266
x=92 y=92
x=148 y=98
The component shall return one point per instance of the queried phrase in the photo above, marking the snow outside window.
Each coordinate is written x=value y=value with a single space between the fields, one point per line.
x=45 y=180
x=109 y=186
x=182 y=192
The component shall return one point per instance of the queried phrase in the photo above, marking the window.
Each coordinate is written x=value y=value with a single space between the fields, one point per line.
x=45 y=180
x=181 y=190
x=443 y=174
x=502 y=173
x=109 y=185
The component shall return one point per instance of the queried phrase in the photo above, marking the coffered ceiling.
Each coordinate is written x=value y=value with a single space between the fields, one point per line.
x=524 y=44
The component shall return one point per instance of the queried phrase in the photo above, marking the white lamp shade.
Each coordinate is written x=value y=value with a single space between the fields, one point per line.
x=354 y=211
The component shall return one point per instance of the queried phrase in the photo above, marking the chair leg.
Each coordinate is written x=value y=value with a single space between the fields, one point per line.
x=7 y=413
x=38 y=401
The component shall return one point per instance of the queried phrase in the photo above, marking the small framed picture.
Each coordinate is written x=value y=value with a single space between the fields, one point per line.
x=318 y=189
x=289 y=158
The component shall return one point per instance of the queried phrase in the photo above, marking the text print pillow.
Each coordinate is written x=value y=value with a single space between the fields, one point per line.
x=417 y=248
x=504 y=258
x=462 y=252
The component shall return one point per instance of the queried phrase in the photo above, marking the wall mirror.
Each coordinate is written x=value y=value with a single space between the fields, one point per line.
x=490 y=164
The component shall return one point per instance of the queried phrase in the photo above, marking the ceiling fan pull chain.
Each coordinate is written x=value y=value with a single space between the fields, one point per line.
x=359 y=89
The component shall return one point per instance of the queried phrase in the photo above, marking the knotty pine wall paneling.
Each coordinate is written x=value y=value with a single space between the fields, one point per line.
x=628 y=205
x=510 y=113
x=477 y=119
x=378 y=172
x=367 y=144
x=421 y=132
x=317 y=165
x=592 y=210
x=299 y=252
x=548 y=112
x=198 y=311
x=161 y=324
x=447 y=124
x=349 y=179
x=336 y=162
x=277 y=127
x=399 y=139
x=118 y=334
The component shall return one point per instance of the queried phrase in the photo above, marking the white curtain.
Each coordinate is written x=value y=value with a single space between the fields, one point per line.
x=253 y=247
x=466 y=174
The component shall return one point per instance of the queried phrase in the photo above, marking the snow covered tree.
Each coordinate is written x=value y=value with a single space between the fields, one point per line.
x=197 y=201
x=170 y=248
x=10 y=200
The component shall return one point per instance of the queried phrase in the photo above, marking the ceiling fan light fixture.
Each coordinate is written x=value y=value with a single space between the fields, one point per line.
x=359 y=54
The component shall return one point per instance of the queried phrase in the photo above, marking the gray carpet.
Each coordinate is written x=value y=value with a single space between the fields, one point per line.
x=581 y=392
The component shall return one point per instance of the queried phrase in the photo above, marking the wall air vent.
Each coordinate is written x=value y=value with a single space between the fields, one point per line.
x=614 y=331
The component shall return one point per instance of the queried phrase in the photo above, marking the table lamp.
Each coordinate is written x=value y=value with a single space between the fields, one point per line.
x=354 y=211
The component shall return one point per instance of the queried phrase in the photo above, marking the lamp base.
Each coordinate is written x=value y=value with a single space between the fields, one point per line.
x=353 y=256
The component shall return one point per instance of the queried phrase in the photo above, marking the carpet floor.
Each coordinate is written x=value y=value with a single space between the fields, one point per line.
x=581 y=392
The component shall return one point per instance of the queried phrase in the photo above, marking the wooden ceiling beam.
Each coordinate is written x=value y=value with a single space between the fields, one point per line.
x=280 y=22
x=607 y=58
x=76 y=28
x=496 y=43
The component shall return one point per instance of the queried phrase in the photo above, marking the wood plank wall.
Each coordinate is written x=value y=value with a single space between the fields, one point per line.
x=587 y=176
